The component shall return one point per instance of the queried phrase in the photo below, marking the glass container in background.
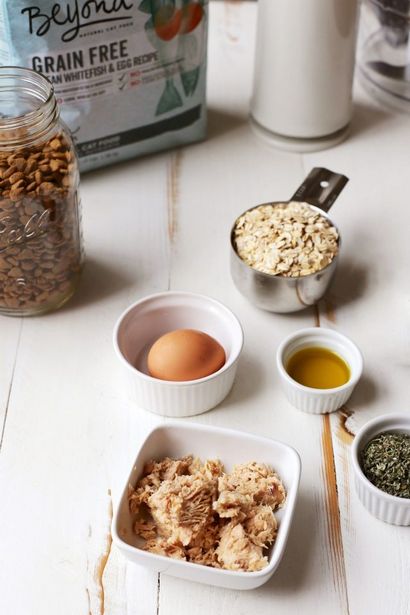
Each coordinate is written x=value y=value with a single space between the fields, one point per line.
x=384 y=51
x=40 y=240
x=305 y=56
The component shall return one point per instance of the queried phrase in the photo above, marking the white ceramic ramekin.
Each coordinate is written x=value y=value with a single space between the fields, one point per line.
x=384 y=506
x=231 y=447
x=318 y=401
x=146 y=320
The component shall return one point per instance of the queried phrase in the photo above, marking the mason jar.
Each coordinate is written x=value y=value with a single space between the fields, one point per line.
x=41 y=251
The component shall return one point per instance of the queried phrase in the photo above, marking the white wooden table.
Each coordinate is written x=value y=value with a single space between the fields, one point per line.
x=69 y=433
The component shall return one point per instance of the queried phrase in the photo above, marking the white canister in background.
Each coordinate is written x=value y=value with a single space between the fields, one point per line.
x=305 y=50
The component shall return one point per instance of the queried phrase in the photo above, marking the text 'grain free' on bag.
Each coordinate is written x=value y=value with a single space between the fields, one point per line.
x=129 y=75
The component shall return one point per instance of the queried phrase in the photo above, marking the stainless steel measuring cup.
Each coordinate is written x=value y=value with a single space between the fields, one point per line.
x=277 y=293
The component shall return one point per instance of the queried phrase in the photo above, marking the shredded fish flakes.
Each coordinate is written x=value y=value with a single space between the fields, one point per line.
x=197 y=512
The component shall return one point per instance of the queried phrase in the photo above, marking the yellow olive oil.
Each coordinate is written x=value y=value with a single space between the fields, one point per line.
x=318 y=368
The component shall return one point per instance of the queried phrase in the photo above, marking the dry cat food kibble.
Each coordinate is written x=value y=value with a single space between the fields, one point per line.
x=197 y=512
x=290 y=240
x=40 y=255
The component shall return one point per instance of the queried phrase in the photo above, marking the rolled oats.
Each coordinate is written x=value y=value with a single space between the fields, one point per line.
x=286 y=239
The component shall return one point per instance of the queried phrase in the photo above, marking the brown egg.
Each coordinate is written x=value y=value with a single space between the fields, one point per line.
x=185 y=354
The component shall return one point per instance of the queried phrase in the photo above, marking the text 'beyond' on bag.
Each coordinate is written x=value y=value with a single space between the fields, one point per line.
x=129 y=75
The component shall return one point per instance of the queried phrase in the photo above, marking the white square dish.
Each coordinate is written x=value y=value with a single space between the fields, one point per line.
x=231 y=447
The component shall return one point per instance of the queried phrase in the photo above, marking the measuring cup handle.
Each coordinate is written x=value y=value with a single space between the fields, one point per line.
x=321 y=188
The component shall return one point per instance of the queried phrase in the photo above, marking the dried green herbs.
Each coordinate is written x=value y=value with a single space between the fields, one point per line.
x=385 y=461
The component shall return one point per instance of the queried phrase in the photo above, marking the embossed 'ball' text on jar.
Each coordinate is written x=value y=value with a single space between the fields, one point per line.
x=41 y=251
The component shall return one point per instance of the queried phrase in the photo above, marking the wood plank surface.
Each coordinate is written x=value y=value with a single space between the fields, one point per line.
x=70 y=431
x=67 y=429
x=369 y=301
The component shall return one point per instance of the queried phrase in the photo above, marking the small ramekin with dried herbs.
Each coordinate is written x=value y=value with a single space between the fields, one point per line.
x=381 y=464
x=385 y=461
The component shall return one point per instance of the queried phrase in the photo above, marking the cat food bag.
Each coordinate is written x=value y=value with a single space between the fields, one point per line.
x=129 y=74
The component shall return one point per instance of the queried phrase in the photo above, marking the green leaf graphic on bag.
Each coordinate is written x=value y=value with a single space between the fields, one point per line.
x=168 y=53
x=145 y=7
x=170 y=99
x=190 y=81
x=191 y=53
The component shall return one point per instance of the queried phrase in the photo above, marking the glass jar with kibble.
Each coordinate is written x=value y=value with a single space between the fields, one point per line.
x=40 y=239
